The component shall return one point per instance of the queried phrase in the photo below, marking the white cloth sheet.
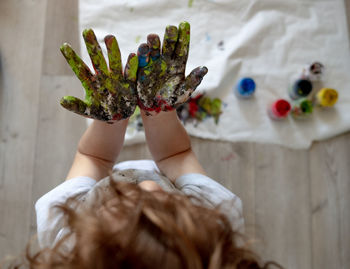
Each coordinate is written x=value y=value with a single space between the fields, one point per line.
x=268 y=40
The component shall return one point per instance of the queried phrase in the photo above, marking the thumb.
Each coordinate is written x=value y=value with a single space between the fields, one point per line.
x=74 y=104
x=189 y=86
x=195 y=77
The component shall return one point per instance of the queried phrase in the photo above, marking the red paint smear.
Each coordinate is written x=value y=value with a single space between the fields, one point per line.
x=160 y=103
x=193 y=108
x=117 y=117
x=228 y=157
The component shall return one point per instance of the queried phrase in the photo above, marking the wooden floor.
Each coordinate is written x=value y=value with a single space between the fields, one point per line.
x=296 y=202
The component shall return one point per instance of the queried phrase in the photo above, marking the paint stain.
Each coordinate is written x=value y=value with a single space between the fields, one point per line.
x=137 y=39
x=221 y=45
x=228 y=157
x=131 y=9
x=320 y=206
x=190 y=3
x=207 y=37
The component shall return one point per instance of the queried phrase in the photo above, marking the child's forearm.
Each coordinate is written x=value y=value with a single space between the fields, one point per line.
x=170 y=145
x=165 y=135
x=98 y=150
x=103 y=141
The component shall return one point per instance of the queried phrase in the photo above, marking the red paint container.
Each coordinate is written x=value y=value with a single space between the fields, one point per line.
x=279 y=109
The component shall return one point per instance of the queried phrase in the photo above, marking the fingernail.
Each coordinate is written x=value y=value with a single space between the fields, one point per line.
x=171 y=32
x=88 y=34
x=154 y=41
x=109 y=39
x=204 y=70
x=143 y=54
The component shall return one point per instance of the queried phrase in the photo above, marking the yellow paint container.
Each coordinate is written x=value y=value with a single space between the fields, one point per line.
x=327 y=97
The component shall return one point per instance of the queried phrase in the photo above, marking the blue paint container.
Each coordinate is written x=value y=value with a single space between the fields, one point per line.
x=245 y=88
x=300 y=89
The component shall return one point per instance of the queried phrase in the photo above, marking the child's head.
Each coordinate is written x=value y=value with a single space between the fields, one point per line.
x=143 y=229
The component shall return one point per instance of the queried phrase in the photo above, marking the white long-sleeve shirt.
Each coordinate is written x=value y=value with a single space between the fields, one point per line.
x=50 y=221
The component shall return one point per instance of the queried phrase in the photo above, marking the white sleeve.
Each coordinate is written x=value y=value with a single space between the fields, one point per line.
x=50 y=221
x=213 y=194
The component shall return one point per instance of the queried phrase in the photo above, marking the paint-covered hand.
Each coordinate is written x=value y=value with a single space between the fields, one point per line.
x=109 y=94
x=161 y=82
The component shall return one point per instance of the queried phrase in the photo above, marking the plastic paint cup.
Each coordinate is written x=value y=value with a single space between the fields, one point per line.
x=302 y=109
x=300 y=89
x=315 y=71
x=245 y=88
x=279 y=109
x=327 y=97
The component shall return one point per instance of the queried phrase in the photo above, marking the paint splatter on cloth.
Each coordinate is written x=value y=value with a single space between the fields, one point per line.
x=195 y=110
x=199 y=108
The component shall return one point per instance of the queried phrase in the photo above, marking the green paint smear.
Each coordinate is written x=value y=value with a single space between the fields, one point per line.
x=77 y=66
x=190 y=3
x=114 y=56
x=171 y=33
x=137 y=112
x=133 y=65
x=95 y=51
x=163 y=67
x=184 y=37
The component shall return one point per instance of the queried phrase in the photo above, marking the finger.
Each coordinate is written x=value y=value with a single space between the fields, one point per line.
x=74 y=104
x=115 y=63
x=143 y=54
x=195 y=77
x=130 y=71
x=154 y=45
x=183 y=43
x=80 y=69
x=169 y=41
x=95 y=52
x=191 y=83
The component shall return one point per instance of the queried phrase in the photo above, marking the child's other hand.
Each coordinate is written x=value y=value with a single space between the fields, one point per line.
x=161 y=82
x=109 y=94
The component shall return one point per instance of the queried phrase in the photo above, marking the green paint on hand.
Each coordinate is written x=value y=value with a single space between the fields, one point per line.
x=108 y=95
x=162 y=84
x=133 y=65
x=184 y=39
x=163 y=67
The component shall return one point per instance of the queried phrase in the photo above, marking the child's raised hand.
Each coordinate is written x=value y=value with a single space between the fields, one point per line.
x=161 y=82
x=109 y=94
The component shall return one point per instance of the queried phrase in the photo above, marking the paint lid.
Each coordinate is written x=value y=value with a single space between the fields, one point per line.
x=302 y=87
x=327 y=97
x=246 y=87
x=281 y=108
x=316 y=68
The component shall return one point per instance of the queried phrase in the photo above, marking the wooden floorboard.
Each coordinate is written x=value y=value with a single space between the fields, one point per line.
x=231 y=164
x=330 y=193
x=282 y=205
x=61 y=26
x=22 y=25
x=57 y=138
x=58 y=130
